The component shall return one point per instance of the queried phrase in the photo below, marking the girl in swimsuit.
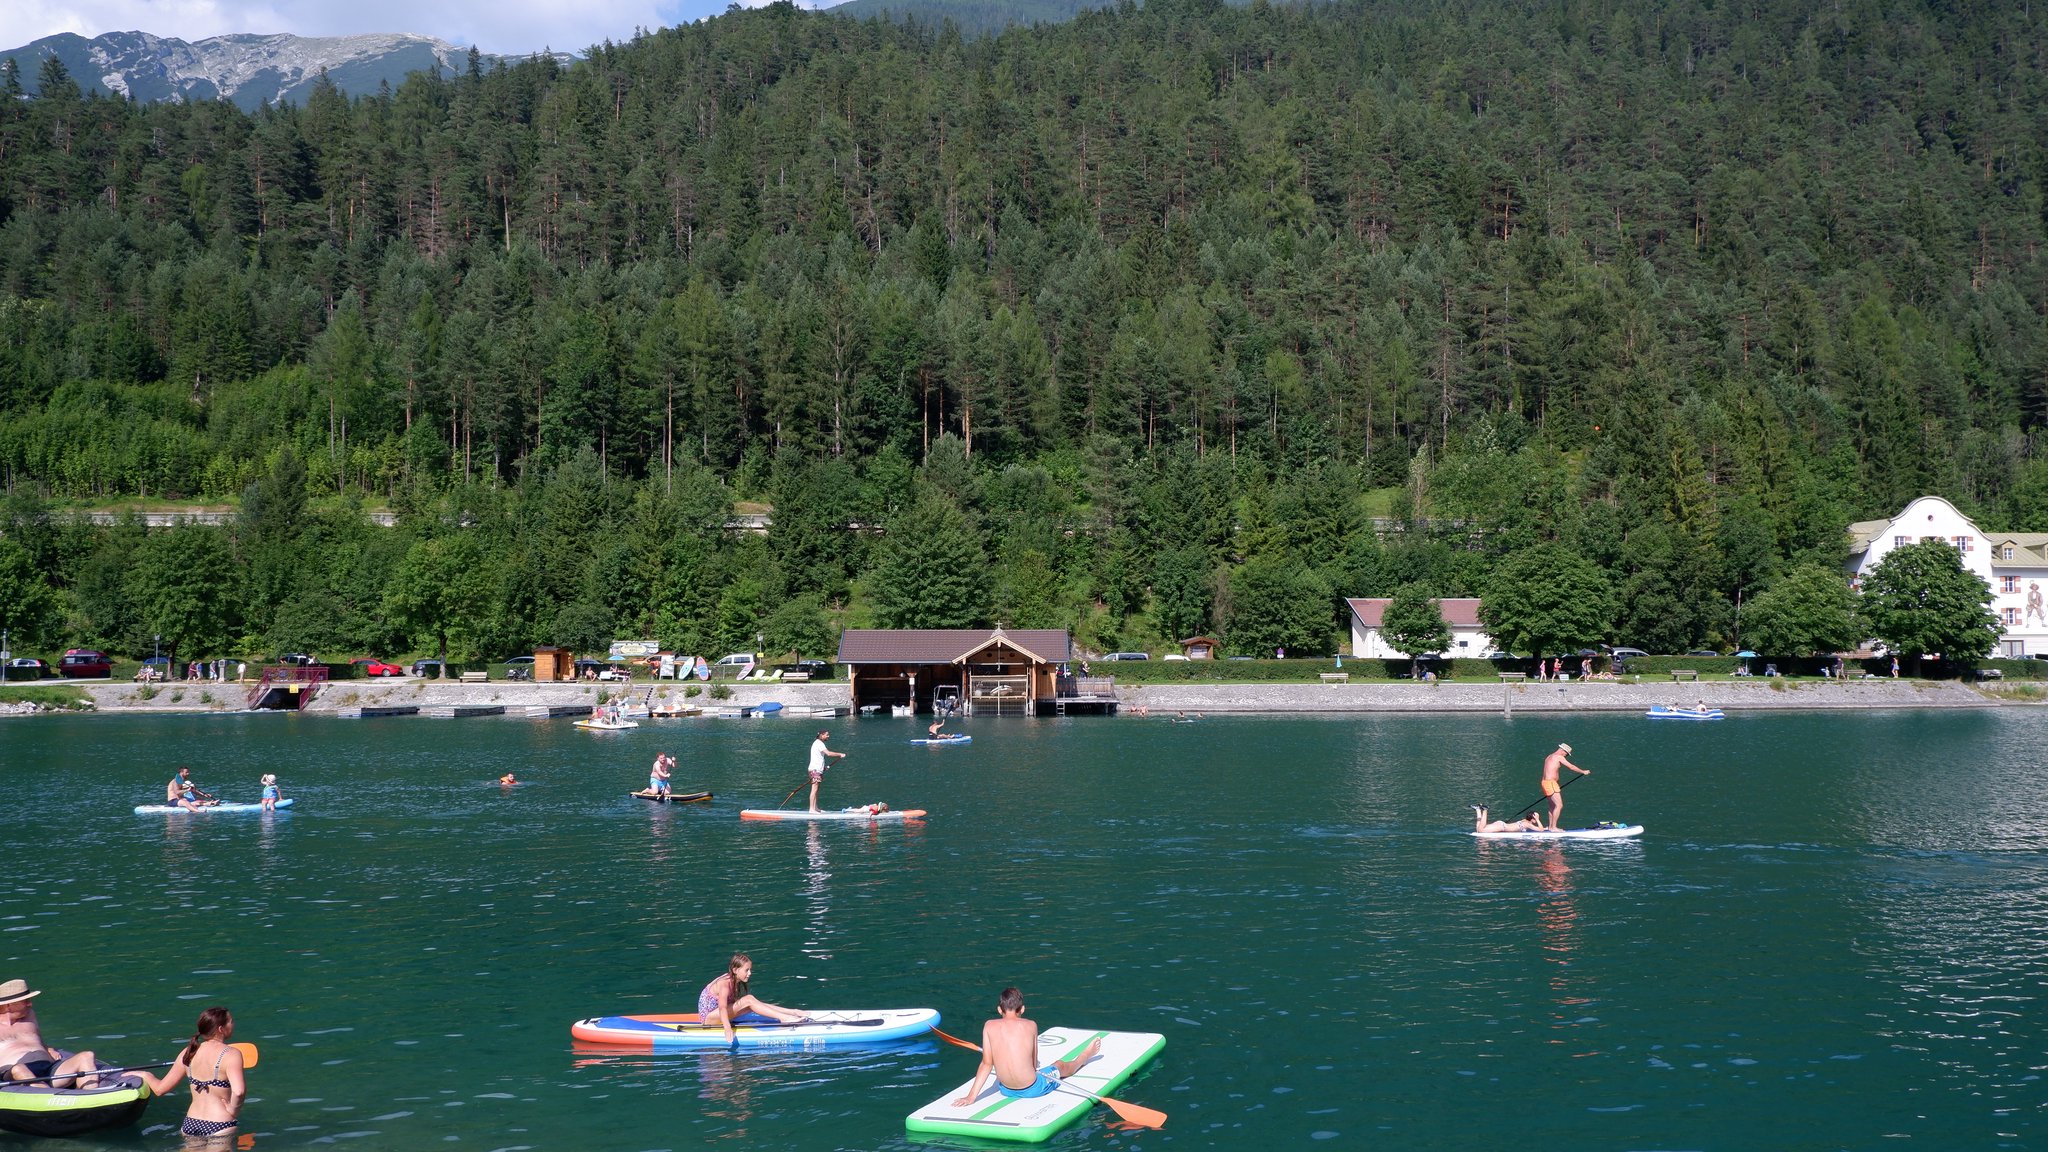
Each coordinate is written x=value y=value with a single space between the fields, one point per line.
x=217 y=1099
x=727 y=997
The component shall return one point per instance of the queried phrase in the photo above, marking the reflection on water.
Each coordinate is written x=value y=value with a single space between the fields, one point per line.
x=817 y=893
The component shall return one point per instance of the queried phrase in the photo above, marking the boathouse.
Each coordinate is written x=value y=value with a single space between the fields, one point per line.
x=970 y=671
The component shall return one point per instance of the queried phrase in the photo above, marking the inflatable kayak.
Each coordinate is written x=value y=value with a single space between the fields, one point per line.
x=39 y=1110
x=861 y=813
x=1603 y=831
x=962 y=739
x=682 y=1030
x=161 y=809
x=994 y=1116
x=672 y=797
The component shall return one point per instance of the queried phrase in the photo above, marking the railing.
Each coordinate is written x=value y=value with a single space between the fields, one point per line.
x=1084 y=687
x=283 y=678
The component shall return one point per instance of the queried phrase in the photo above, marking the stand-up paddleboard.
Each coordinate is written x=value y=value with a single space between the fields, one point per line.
x=1597 y=832
x=994 y=1116
x=671 y=797
x=963 y=738
x=860 y=813
x=162 y=809
x=606 y=725
x=683 y=1030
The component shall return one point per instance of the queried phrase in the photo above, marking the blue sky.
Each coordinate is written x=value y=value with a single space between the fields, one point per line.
x=501 y=26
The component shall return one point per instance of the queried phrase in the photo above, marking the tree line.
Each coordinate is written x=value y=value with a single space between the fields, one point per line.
x=1175 y=319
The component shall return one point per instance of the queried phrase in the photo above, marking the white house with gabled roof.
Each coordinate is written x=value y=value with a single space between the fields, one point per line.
x=2013 y=564
x=1468 y=636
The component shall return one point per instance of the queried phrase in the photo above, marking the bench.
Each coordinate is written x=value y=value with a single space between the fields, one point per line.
x=475 y=677
x=1336 y=677
x=796 y=677
x=1513 y=677
x=1684 y=674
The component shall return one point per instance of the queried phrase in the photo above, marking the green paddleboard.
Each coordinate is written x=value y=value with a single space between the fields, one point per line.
x=994 y=1116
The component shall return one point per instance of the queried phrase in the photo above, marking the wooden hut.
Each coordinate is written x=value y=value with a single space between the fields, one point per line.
x=988 y=671
x=553 y=664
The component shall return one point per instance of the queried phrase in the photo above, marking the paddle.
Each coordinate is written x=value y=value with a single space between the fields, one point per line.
x=1135 y=1113
x=874 y=1023
x=248 y=1052
x=1540 y=799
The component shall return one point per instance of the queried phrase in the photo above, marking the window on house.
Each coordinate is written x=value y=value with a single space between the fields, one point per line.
x=2005 y=553
x=1962 y=544
x=2010 y=615
x=1929 y=539
x=1901 y=541
x=2008 y=583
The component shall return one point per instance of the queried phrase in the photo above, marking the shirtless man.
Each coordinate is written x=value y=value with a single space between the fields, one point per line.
x=1480 y=823
x=23 y=1055
x=1009 y=1047
x=185 y=794
x=1551 y=788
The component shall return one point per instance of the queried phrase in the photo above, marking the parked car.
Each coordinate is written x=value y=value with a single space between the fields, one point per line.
x=734 y=665
x=27 y=668
x=1626 y=653
x=1496 y=654
x=1173 y=656
x=298 y=659
x=516 y=661
x=429 y=667
x=1128 y=656
x=1702 y=652
x=85 y=663
x=371 y=666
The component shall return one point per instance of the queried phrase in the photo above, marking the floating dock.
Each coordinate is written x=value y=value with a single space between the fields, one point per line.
x=457 y=711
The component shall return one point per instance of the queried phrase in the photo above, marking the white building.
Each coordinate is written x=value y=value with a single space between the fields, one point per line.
x=1468 y=637
x=2014 y=564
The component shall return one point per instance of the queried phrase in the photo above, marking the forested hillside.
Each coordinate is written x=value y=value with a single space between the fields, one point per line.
x=1162 y=321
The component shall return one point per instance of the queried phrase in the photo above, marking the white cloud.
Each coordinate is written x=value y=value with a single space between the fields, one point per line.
x=509 y=27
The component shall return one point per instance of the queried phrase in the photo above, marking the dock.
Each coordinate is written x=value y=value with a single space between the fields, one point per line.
x=550 y=711
x=362 y=711
x=457 y=711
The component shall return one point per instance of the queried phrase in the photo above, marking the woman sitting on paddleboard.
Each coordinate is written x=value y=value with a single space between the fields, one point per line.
x=726 y=999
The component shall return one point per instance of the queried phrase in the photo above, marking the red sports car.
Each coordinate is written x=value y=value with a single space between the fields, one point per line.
x=375 y=667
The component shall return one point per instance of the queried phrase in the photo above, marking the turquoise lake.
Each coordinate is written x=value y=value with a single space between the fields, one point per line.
x=1833 y=935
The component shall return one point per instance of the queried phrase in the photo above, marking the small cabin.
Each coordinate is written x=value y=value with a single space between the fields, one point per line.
x=551 y=664
x=977 y=671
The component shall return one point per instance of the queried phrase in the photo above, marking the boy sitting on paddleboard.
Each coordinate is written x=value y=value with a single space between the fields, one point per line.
x=1009 y=1046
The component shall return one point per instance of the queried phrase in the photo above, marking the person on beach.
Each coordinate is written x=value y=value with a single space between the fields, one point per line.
x=216 y=1099
x=1009 y=1048
x=1481 y=822
x=819 y=753
x=658 y=778
x=726 y=1001
x=24 y=1056
x=271 y=793
x=1551 y=788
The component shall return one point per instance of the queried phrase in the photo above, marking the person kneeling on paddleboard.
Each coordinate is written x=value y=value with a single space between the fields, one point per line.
x=726 y=999
x=1551 y=788
x=1480 y=823
x=1009 y=1047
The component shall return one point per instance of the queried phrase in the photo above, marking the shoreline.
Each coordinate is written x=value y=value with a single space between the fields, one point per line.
x=339 y=698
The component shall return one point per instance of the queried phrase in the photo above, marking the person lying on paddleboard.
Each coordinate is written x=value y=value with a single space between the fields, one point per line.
x=217 y=1097
x=23 y=1056
x=1480 y=822
x=726 y=1000
x=1009 y=1048
x=1551 y=788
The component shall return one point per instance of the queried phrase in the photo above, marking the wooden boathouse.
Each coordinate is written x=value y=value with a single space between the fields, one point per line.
x=970 y=671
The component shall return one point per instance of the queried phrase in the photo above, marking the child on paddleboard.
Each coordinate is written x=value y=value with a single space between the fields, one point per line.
x=271 y=794
x=726 y=1000
x=1009 y=1048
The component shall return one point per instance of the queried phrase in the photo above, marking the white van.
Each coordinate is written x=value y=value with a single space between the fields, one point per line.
x=734 y=666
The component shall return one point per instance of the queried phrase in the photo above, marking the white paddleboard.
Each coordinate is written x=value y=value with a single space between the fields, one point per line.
x=840 y=814
x=994 y=1116
x=1603 y=832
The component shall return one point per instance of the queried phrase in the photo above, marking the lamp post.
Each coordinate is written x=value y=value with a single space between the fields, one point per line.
x=5 y=655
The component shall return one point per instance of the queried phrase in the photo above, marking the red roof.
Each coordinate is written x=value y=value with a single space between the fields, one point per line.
x=1459 y=611
x=945 y=645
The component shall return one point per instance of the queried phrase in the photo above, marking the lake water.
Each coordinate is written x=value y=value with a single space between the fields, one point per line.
x=1834 y=934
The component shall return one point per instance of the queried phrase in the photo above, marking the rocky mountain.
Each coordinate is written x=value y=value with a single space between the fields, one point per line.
x=246 y=69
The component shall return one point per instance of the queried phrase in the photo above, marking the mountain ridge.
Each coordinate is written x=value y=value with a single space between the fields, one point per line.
x=248 y=69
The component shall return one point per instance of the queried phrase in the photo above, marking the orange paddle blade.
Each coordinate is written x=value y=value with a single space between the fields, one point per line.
x=248 y=1052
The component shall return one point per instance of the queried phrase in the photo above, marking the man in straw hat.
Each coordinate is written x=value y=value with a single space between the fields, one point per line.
x=23 y=1055
x=1551 y=788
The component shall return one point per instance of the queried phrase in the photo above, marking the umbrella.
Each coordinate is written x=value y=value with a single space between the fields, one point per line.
x=1746 y=654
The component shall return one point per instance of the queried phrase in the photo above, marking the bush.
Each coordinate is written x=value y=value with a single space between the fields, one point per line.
x=721 y=692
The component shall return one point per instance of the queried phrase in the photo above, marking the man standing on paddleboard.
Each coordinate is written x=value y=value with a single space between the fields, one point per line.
x=818 y=754
x=1551 y=788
